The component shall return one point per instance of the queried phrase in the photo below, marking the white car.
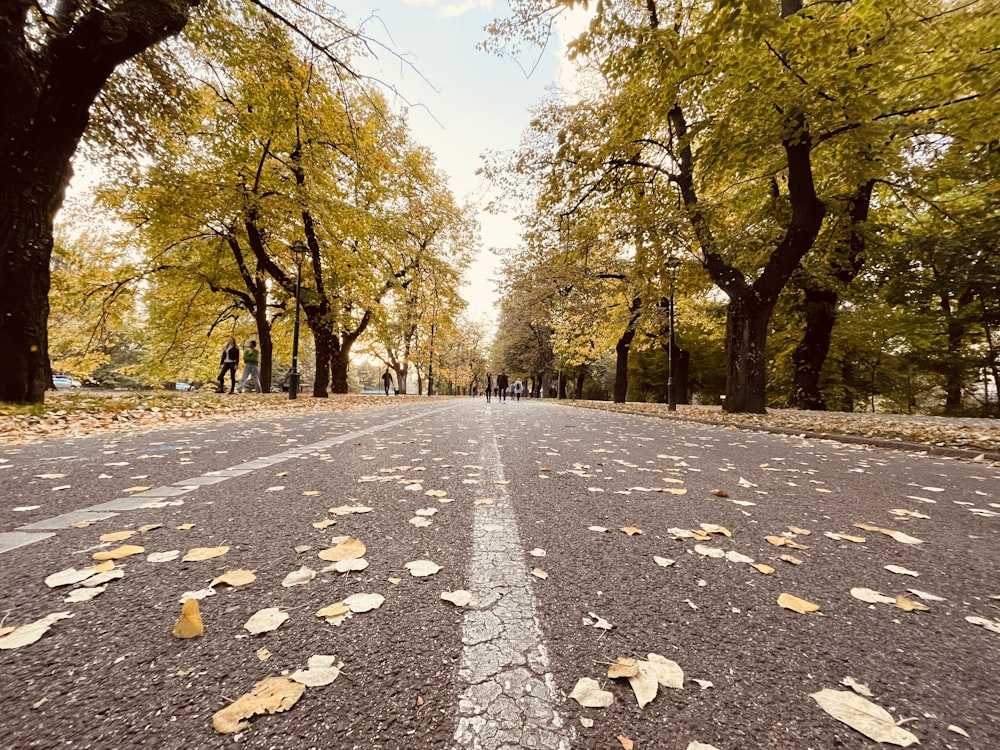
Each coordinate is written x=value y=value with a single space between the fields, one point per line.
x=65 y=381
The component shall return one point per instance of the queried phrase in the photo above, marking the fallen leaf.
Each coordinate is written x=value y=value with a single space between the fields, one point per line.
x=623 y=667
x=664 y=562
x=420 y=522
x=856 y=686
x=901 y=570
x=346 y=510
x=339 y=609
x=265 y=620
x=234 y=578
x=599 y=622
x=116 y=536
x=799 y=531
x=359 y=603
x=668 y=673
x=24 y=635
x=763 y=568
x=140 y=488
x=585 y=722
x=627 y=744
x=845 y=537
x=588 y=694
x=630 y=530
x=299 y=577
x=349 y=549
x=68 y=577
x=310 y=493
x=436 y=493
x=870 y=596
x=700 y=746
x=348 y=566
x=539 y=573
x=189 y=624
x=991 y=625
x=162 y=557
x=598 y=529
x=459 y=598
x=263 y=654
x=714 y=528
x=925 y=596
x=321 y=670
x=185 y=526
x=483 y=501
x=957 y=730
x=271 y=695
x=537 y=552
x=738 y=557
x=899 y=536
x=720 y=493
x=200 y=554
x=784 y=541
x=149 y=527
x=126 y=550
x=422 y=568
x=796 y=604
x=84 y=594
x=791 y=559
x=326 y=522
x=863 y=716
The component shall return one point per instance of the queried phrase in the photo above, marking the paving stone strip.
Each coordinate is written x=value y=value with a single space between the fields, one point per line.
x=511 y=695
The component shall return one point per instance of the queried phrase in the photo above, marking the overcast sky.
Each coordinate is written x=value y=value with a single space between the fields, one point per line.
x=472 y=101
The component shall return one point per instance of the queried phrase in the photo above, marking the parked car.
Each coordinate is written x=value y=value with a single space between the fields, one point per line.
x=65 y=381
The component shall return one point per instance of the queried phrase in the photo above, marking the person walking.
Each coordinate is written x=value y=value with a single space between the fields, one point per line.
x=489 y=386
x=518 y=387
x=228 y=362
x=502 y=383
x=251 y=370
x=386 y=381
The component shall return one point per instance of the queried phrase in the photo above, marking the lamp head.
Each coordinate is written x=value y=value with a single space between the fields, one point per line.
x=299 y=250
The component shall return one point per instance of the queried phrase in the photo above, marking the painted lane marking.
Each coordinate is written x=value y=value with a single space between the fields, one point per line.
x=510 y=698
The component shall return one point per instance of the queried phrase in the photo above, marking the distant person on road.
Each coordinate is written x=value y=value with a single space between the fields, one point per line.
x=518 y=387
x=251 y=370
x=228 y=362
x=489 y=386
x=386 y=381
x=502 y=383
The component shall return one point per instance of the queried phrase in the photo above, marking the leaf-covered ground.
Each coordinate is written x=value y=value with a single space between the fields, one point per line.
x=83 y=413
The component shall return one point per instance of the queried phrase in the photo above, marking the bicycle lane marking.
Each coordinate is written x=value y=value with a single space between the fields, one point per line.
x=171 y=494
x=510 y=698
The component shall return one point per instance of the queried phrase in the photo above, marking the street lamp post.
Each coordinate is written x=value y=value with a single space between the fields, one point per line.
x=672 y=264
x=430 y=366
x=299 y=250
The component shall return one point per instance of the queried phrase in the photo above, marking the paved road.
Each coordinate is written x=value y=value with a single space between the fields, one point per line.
x=491 y=494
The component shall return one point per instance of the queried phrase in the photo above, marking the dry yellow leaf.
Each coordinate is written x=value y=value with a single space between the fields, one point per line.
x=116 y=536
x=185 y=526
x=483 y=501
x=784 y=541
x=324 y=523
x=869 y=527
x=676 y=490
x=623 y=667
x=310 y=493
x=796 y=604
x=5 y=630
x=334 y=610
x=627 y=744
x=82 y=524
x=263 y=654
x=909 y=605
x=198 y=554
x=135 y=489
x=149 y=527
x=234 y=578
x=349 y=549
x=270 y=696
x=714 y=528
x=765 y=569
x=126 y=550
x=539 y=573
x=792 y=560
x=189 y=624
x=630 y=530
x=103 y=567
x=800 y=531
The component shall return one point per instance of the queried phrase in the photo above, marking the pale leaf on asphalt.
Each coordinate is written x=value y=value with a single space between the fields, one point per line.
x=422 y=568
x=333 y=611
x=701 y=549
x=199 y=594
x=539 y=573
x=623 y=667
x=272 y=695
x=856 y=686
x=598 y=529
x=738 y=557
x=428 y=512
x=991 y=625
x=763 y=568
x=68 y=577
x=799 y=531
x=149 y=527
x=119 y=553
x=714 y=528
x=349 y=549
x=644 y=685
x=459 y=598
x=626 y=743
x=863 y=716
x=588 y=694
x=901 y=570
x=263 y=654
x=116 y=536
x=925 y=596
x=899 y=536
x=664 y=562
x=84 y=594
x=436 y=493
x=300 y=548
x=630 y=530
x=321 y=670
x=325 y=523
x=189 y=624
x=957 y=730
x=24 y=635
x=199 y=554
x=537 y=552
x=162 y=557
x=870 y=596
x=347 y=566
x=791 y=559
x=359 y=603
x=700 y=746
x=265 y=620
x=794 y=603
x=483 y=501
x=347 y=510
x=299 y=577
x=598 y=622
x=844 y=537
x=234 y=578
x=784 y=541
x=420 y=522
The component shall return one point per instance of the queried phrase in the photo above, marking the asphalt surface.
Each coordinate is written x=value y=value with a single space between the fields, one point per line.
x=517 y=491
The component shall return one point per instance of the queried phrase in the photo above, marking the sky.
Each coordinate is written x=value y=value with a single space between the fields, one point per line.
x=472 y=102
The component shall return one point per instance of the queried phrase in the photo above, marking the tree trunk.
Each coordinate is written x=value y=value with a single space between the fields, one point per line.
x=326 y=343
x=579 y=384
x=622 y=350
x=46 y=109
x=747 y=320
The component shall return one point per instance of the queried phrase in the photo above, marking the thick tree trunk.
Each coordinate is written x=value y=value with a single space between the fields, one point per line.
x=326 y=343
x=747 y=321
x=580 y=376
x=46 y=108
x=340 y=361
x=622 y=350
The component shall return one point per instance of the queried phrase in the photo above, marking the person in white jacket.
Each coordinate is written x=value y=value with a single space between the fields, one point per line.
x=518 y=387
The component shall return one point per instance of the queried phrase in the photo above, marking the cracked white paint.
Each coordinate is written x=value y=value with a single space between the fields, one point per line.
x=510 y=698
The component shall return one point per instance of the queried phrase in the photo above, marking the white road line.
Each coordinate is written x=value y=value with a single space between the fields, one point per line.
x=510 y=699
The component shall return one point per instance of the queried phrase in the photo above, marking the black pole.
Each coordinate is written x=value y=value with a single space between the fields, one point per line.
x=671 y=396
x=293 y=376
x=430 y=366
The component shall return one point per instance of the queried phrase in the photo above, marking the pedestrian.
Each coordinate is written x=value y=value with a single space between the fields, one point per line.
x=386 y=381
x=489 y=386
x=251 y=370
x=518 y=387
x=228 y=362
x=502 y=383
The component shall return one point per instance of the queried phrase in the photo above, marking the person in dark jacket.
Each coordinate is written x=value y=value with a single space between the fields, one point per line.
x=502 y=384
x=228 y=362
x=489 y=386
